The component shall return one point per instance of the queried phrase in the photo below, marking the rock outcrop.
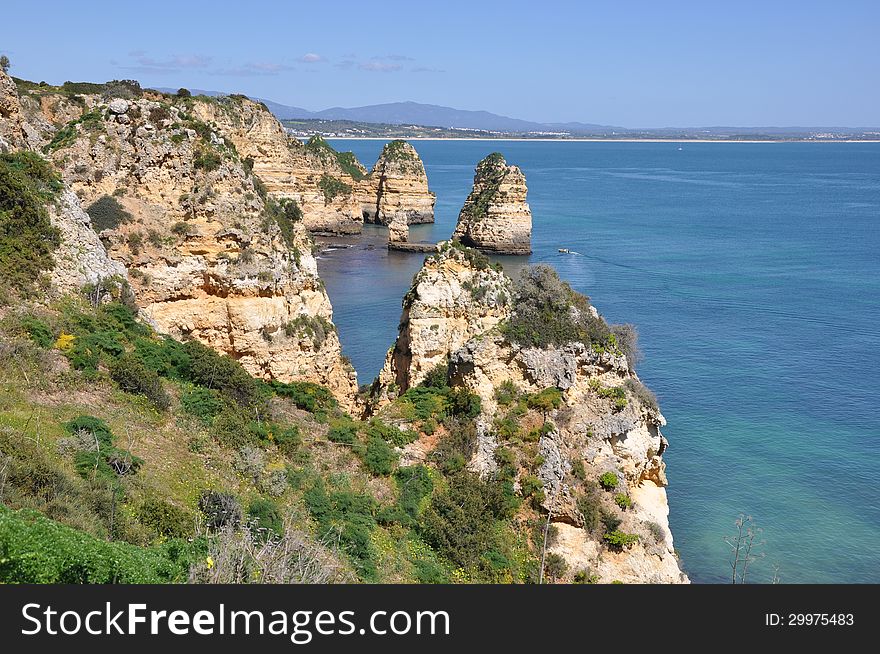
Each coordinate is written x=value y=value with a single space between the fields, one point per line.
x=590 y=432
x=456 y=295
x=397 y=184
x=312 y=174
x=496 y=217
x=398 y=229
x=11 y=118
x=209 y=254
x=81 y=258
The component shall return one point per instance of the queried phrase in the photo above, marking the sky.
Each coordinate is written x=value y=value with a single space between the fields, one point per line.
x=617 y=62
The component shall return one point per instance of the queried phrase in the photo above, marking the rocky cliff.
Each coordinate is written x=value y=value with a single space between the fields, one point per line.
x=397 y=184
x=456 y=295
x=312 y=174
x=209 y=254
x=495 y=216
x=568 y=422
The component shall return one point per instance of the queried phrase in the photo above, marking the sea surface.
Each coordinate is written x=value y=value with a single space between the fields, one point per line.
x=751 y=271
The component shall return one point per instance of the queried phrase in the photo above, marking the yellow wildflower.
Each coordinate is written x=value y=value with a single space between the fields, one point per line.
x=65 y=341
x=210 y=562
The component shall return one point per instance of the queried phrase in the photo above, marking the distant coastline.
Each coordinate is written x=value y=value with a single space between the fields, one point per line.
x=591 y=140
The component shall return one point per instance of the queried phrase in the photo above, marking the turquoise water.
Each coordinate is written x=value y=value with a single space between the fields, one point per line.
x=751 y=271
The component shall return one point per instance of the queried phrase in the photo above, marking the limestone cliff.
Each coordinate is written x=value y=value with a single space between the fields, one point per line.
x=397 y=184
x=456 y=295
x=11 y=119
x=495 y=216
x=310 y=174
x=556 y=417
x=209 y=255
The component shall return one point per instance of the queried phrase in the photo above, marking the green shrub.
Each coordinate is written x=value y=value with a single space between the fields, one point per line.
x=342 y=430
x=623 y=501
x=166 y=356
x=610 y=520
x=426 y=402
x=414 y=484
x=463 y=404
x=437 y=377
x=547 y=312
x=506 y=393
x=317 y=328
x=608 y=480
x=288 y=440
x=207 y=160
x=134 y=377
x=379 y=457
x=232 y=429
x=88 y=350
x=107 y=213
x=532 y=486
x=585 y=577
x=657 y=531
x=202 y=403
x=590 y=506
x=36 y=550
x=390 y=433
x=37 y=330
x=348 y=518
x=460 y=523
x=266 y=516
x=306 y=395
x=209 y=369
x=332 y=187
x=555 y=566
x=166 y=519
x=220 y=509
x=27 y=238
x=545 y=401
x=618 y=540
x=456 y=448
x=578 y=470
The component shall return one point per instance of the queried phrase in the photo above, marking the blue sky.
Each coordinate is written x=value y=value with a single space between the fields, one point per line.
x=650 y=64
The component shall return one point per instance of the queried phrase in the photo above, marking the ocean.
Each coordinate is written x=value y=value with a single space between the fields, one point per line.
x=751 y=272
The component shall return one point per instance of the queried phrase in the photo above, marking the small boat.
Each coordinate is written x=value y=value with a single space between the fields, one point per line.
x=565 y=250
x=679 y=148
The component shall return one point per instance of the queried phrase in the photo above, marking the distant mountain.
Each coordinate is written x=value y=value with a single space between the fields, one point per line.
x=432 y=115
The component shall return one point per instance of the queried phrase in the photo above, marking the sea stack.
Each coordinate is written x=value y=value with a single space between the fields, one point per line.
x=397 y=184
x=398 y=229
x=496 y=217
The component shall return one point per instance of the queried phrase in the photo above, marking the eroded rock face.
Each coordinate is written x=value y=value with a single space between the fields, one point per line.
x=398 y=229
x=455 y=296
x=589 y=430
x=81 y=258
x=179 y=209
x=11 y=119
x=496 y=217
x=397 y=184
x=312 y=174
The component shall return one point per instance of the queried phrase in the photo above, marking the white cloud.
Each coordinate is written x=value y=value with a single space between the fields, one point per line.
x=311 y=58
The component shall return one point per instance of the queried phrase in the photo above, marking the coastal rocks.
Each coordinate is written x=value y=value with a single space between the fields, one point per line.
x=397 y=184
x=313 y=174
x=590 y=431
x=456 y=295
x=207 y=256
x=398 y=229
x=495 y=216
x=11 y=119
x=81 y=257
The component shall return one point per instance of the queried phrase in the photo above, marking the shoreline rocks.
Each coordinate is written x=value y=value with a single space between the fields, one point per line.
x=496 y=217
x=397 y=184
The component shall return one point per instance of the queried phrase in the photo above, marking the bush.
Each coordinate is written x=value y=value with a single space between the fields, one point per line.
x=547 y=400
x=555 y=566
x=306 y=395
x=166 y=519
x=36 y=550
x=232 y=429
x=183 y=93
x=547 y=312
x=437 y=377
x=342 y=430
x=266 y=517
x=618 y=540
x=585 y=577
x=641 y=392
x=623 y=501
x=166 y=356
x=101 y=460
x=202 y=403
x=460 y=523
x=590 y=506
x=88 y=350
x=608 y=480
x=456 y=448
x=390 y=433
x=212 y=370
x=506 y=393
x=379 y=457
x=27 y=238
x=332 y=187
x=107 y=213
x=627 y=340
x=414 y=484
x=37 y=331
x=657 y=531
x=610 y=520
x=220 y=509
x=578 y=470
x=134 y=377
x=316 y=328
x=288 y=440
x=207 y=160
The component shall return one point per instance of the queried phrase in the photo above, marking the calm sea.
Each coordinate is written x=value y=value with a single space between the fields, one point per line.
x=751 y=271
